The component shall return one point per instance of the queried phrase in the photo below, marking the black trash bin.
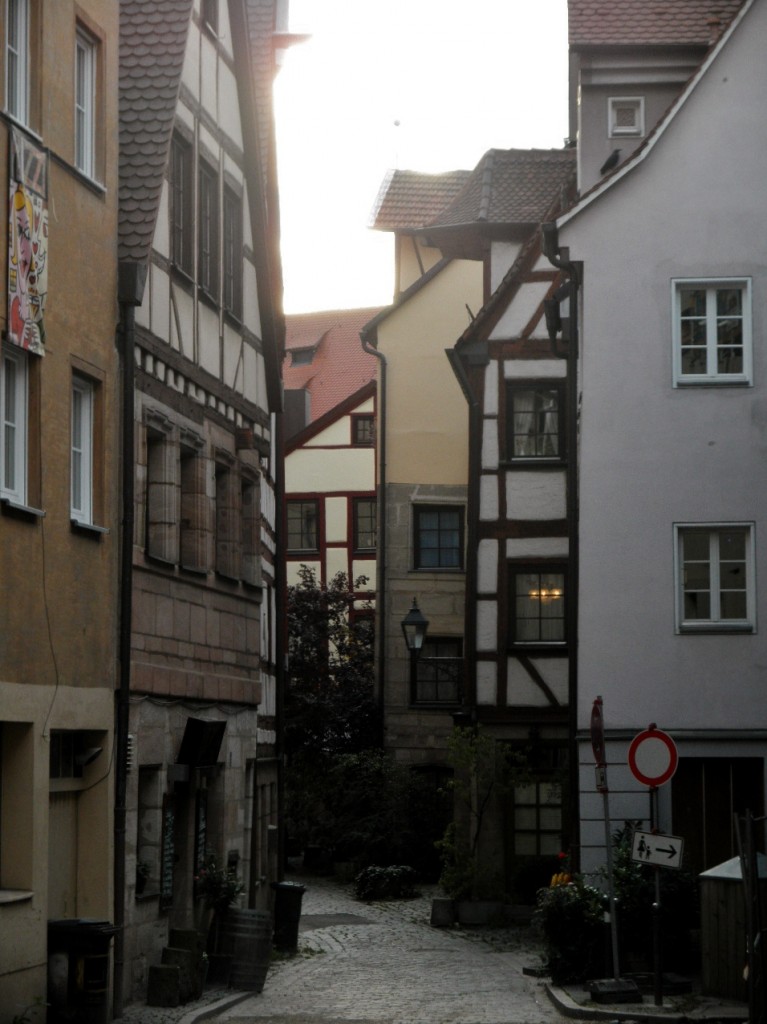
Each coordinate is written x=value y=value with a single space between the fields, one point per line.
x=287 y=914
x=78 y=970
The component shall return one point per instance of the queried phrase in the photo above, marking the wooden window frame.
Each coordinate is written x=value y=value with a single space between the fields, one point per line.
x=419 y=530
x=538 y=385
x=539 y=568
x=358 y=505
x=293 y=503
x=181 y=210
x=231 y=263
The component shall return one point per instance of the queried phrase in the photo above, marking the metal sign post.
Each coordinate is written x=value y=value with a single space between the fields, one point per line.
x=653 y=759
x=598 y=746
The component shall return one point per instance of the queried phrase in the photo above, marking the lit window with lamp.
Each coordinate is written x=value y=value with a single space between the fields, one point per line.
x=538 y=605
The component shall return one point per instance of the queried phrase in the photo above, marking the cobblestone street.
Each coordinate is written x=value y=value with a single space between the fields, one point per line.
x=384 y=963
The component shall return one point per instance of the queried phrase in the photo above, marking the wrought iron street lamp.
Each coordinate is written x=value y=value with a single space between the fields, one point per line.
x=414 y=627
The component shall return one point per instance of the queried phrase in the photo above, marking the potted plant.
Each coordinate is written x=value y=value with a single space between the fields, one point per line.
x=218 y=888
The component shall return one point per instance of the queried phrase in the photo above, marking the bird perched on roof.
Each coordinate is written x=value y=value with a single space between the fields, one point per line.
x=610 y=162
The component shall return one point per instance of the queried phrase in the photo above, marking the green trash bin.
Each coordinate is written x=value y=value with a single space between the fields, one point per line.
x=287 y=914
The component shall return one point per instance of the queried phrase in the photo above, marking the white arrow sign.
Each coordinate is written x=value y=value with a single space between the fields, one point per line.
x=655 y=848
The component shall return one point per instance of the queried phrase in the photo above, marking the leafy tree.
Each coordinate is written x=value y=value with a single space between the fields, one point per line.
x=330 y=705
x=484 y=770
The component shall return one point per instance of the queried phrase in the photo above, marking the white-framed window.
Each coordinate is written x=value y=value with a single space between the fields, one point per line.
x=82 y=450
x=715 y=577
x=14 y=403
x=86 y=51
x=712 y=331
x=17 y=59
x=625 y=116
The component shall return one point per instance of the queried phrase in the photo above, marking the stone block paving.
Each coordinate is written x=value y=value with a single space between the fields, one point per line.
x=383 y=963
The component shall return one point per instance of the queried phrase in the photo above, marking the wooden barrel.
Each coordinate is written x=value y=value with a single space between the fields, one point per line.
x=247 y=938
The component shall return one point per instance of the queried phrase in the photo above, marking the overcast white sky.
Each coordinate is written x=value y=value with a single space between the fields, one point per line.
x=458 y=78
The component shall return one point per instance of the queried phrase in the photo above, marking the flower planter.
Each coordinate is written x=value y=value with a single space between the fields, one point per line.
x=478 y=912
x=219 y=969
x=442 y=912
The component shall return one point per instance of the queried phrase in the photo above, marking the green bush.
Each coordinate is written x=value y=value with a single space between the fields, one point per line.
x=571 y=918
x=389 y=883
x=635 y=895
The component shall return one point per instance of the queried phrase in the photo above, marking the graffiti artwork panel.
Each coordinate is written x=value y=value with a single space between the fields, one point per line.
x=27 y=244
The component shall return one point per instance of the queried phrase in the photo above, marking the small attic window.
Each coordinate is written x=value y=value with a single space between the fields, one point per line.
x=301 y=356
x=625 y=116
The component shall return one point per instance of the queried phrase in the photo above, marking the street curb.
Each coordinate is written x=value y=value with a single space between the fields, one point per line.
x=213 y=1009
x=568 y=1007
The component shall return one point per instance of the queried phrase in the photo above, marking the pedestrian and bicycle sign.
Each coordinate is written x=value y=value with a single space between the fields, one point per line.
x=654 y=848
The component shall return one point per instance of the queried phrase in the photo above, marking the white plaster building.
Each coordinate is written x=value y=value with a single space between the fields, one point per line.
x=668 y=252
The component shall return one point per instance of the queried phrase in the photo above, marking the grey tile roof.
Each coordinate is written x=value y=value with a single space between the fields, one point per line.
x=411 y=199
x=510 y=186
x=153 y=35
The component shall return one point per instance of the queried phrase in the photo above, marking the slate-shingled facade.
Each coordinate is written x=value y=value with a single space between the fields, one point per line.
x=200 y=291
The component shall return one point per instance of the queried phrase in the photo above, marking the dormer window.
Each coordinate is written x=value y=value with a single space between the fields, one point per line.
x=301 y=356
x=625 y=116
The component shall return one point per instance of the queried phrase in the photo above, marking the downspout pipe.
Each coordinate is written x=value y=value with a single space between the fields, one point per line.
x=131 y=278
x=559 y=257
x=368 y=340
x=470 y=600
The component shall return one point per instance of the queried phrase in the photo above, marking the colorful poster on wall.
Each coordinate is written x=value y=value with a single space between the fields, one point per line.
x=27 y=243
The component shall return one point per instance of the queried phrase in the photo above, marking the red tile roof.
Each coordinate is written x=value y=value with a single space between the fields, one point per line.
x=411 y=199
x=648 y=22
x=510 y=186
x=339 y=366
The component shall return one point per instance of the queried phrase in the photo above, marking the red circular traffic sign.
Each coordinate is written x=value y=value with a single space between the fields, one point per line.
x=653 y=757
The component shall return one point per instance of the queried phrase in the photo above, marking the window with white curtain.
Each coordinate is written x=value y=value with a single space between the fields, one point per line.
x=534 y=427
x=85 y=103
x=14 y=393
x=17 y=59
x=82 y=450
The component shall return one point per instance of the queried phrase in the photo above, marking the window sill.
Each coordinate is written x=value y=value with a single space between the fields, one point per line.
x=440 y=571
x=88 y=529
x=192 y=570
x=18 y=511
x=207 y=298
x=232 y=318
x=227 y=577
x=538 y=647
x=15 y=896
x=712 y=382
x=182 y=277
x=534 y=462
x=435 y=705
x=159 y=560
x=692 y=628
x=92 y=183
x=147 y=897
